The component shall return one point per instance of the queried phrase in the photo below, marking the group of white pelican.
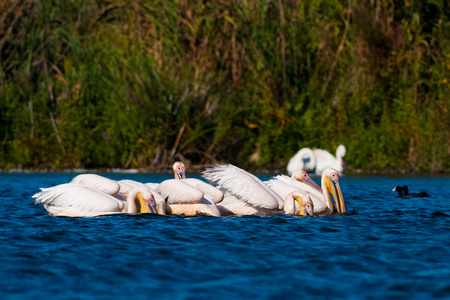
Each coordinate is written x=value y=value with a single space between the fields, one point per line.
x=317 y=160
x=236 y=192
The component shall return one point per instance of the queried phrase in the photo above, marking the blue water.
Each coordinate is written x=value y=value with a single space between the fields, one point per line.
x=385 y=247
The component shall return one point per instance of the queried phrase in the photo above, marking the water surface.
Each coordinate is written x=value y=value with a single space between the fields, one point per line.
x=384 y=247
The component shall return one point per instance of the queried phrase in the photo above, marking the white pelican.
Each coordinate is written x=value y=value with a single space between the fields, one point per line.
x=244 y=193
x=182 y=198
x=306 y=206
x=188 y=196
x=211 y=193
x=324 y=160
x=118 y=189
x=76 y=200
x=302 y=160
x=300 y=181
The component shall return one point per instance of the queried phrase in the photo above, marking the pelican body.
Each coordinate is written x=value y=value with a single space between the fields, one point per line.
x=317 y=160
x=118 y=189
x=325 y=160
x=244 y=193
x=301 y=181
x=188 y=196
x=76 y=200
x=302 y=160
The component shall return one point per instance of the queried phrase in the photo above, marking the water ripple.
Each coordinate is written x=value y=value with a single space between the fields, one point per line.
x=383 y=247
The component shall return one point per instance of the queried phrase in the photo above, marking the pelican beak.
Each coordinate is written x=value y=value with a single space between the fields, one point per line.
x=180 y=175
x=179 y=170
x=311 y=182
x=337 y=194
x=306 y=206
x=152 y=205
x=146 y=206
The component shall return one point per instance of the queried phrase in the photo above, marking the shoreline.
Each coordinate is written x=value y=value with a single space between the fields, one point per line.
x=197 y=169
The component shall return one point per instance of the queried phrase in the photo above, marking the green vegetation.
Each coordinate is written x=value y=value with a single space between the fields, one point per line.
x=138 y=84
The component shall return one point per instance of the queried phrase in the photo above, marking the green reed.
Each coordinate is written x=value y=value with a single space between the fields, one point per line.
x=142 y=83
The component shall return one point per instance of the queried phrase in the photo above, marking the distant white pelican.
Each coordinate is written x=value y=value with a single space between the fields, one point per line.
x=300 y=181
x=302 y=160
x=317 y=160
x=75 y=200
x=324 y=160
x=244 y=193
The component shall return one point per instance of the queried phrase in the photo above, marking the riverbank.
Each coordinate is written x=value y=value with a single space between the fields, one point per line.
x=197 y=169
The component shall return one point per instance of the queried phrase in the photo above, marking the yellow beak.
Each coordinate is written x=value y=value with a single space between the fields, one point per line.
x=335 y=190
x=146 y=206
x=307 y=209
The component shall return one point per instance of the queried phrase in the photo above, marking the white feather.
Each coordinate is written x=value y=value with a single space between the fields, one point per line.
x=211 y=193
x=78 y=196
x=244 y=186
x=283 y=189
x=98 y=182
x=176 y=191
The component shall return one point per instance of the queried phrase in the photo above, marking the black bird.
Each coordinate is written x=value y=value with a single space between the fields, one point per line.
x=404 y=192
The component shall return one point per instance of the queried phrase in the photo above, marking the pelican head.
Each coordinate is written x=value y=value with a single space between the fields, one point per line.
x=304 y=201
x=307 y=206
x=330 y=178
x=179 y=170
x=145 y=203
x=340 y=153
x=304 y=177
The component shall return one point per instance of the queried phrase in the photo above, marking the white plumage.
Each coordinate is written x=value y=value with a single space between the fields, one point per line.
x=79 y=200
x=317 y=160
x=302 y=160
x=323 y=205
x=298 y=203
x=244 y=193
x=175 y=191
x=106 y=185
x=325 y=159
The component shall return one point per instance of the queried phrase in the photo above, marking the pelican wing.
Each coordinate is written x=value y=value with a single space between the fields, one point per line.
x=82 y=197
x=281 y=188
x=176 y=191
x=98 y=182
x=211 y=193
x=244 y=186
